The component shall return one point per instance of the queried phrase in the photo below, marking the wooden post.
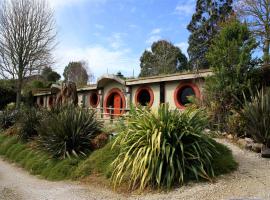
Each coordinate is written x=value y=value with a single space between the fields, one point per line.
x=111 y=116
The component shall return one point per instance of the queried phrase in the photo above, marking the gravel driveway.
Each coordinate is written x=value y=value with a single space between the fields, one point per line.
x=250 y=181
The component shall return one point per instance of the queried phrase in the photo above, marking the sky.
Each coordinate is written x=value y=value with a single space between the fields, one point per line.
x=111 y=35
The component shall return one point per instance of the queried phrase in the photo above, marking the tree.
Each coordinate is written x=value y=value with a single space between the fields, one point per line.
x=257 y=14
x=164 y=58
x=27 y=37
x=230 y=58
x=203 y=28
x=76 y=72
x=50 y=75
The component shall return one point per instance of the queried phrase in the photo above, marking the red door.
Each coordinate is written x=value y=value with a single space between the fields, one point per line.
x=117 y=104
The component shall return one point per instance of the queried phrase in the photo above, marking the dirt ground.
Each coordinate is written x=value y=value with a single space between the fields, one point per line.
x=250 y=182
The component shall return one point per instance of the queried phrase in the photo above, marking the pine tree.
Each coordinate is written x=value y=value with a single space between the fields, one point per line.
x=204 y=26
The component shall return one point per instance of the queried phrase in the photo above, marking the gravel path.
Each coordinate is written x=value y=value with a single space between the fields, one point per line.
x=251 y=181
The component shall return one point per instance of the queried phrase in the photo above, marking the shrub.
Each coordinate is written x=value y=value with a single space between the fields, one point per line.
x=69 y=132
x=163 y=148
x=8 y=118
x=236 y=124
x=29 y=121
x=256 y=114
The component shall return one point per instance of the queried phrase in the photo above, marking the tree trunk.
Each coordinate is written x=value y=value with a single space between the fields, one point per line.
x=266 y=53
x=18 y=93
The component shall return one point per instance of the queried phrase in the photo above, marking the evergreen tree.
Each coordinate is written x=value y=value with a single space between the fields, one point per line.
x=235 y=71
x=204 y=27
x=164 y=58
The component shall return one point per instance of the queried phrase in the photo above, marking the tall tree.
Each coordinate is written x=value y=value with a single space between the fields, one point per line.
x=27 y=37
x=164 y=58
x=50 y=75
x=235 y=72
x=257 y=15
x=77 y=72
x=204 y=27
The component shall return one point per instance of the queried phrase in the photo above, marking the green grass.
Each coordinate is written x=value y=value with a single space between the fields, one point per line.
x=99 y=162
x=35 y=161
x=40 y=163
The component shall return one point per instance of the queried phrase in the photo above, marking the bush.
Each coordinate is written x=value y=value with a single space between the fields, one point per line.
x=256 y=114
x=236 y=124
x=8 y=118
x=69 y=132
x=163 y=148
x=29 y=121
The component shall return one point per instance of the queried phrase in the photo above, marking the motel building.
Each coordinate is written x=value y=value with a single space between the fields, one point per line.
x=112 y=96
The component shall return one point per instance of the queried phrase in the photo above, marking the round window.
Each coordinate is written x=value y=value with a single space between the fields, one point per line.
x=94 y=99
x=184 y=94
x=144 y=96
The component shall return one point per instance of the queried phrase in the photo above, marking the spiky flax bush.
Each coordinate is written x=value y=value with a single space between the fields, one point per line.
x=68 y=132
x=256 y=114
x=163 y=148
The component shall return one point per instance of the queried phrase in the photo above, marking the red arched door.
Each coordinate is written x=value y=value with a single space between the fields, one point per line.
x=117 y=104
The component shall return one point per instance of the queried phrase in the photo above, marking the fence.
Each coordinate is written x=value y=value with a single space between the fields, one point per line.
x=107 y=113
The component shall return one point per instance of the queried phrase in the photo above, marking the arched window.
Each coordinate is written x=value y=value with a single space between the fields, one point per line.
x=94 y=99
x=183 y=92
x=144 y=96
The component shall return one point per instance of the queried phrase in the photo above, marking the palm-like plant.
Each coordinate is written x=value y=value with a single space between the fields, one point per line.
x=163 y=148
x=256 y=113
x=69 y=132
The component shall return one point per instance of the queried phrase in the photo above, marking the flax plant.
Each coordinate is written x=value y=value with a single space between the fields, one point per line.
x=163 y=148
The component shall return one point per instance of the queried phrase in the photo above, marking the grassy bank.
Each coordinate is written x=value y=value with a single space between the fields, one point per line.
x=36 y=161
x=41 y=164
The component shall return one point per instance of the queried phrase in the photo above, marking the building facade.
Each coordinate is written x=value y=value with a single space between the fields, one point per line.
x=114 y=95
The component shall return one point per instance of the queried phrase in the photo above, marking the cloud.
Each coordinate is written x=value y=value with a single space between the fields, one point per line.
x=155 y=31
x=62 y=3
x=185 y=8
x=99 y=59
x=153 y=38
x=116 y=40
x=183 y=46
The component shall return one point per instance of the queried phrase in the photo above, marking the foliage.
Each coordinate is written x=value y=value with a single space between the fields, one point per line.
x=256 y=114
x=163 y=148
x=69 y=132
x=35 y=161
x=236 y=124
x=203 y=28
x=164 y=58
x=50 y=75
x=7 y=93
x=98 y=162
x=8 y=118
x=235 y=72
x=29 y=121
x=76 y=72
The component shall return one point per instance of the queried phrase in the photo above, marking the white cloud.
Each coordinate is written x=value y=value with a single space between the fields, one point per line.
x=183 y=46
x=185 y=8
x=99 y=59
x=116 y=40
x=155 y=31
x=153 y=38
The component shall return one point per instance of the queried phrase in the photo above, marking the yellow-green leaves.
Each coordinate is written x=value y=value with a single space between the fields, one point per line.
x=162 y=148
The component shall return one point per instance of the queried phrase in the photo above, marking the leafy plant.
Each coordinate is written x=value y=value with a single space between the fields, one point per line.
x=29 y=121
x=256 y=114
x=236 y=124
x=163 y=148
x=8 y=118
x=69 y=132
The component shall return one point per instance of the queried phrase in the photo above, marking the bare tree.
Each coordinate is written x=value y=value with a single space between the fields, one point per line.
x=257 y=14
x=27 y=37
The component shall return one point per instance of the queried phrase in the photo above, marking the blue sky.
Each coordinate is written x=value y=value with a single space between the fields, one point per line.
x=111 y=35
